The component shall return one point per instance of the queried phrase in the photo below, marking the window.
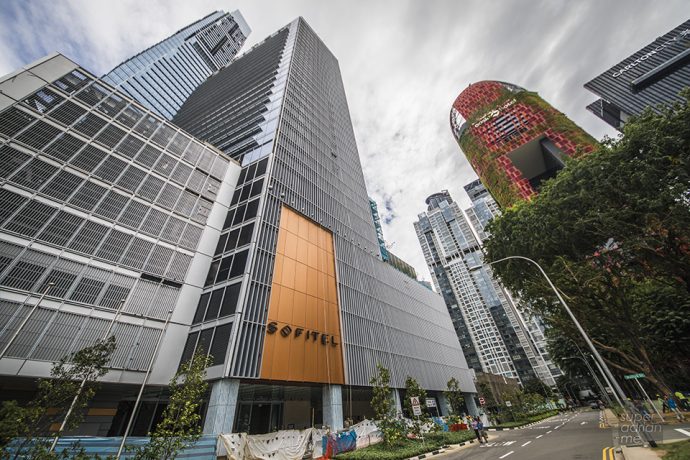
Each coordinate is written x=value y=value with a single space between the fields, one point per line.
x=173 y=229
x=239 y=264
x=147 y=126
x=114 y=244
x=39 y=135
x=10 y=160
x=64 y=147
x=130 y=116
x=112 y=105
x=153 y=224
x=165 y=165
x=211 y=276
x=137 y=253
x=112 y=205
x=245 y=235
x=110 y=169
x=23 y=275
x=129 y=146
x=14 y=120
x=62 y=185
x=232 y=295
x=204 y=341
x=9 y=202
x=29 y=220
x=61 y=228
x=134 y=214
x=63 y=281
x=214 y=305
x=88 y=238
x=185 y=204
x=189 y=346
x=110 y=136
x=224 y=269
x=181 y=173
x=148 y=156
x=89 y=124
x=220 y=247
x=87 y=290
x=88 y=158
x=163 y=135
x=219 y=348
x=43 y=100
x=201 y=308
x=67 y=113
x=113 y=296
x=252 y=209
x=92 y=94
x=34 y=174
x=131 y=179
x=178 y=144
x=72 y=81
x=88 y=196
x=150 y=188
x=168 y=196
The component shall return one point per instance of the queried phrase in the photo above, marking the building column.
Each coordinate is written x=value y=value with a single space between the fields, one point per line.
x=443 y=405
x=470 y=404
x=332 y=406
x=397 y=405
x=222 y=406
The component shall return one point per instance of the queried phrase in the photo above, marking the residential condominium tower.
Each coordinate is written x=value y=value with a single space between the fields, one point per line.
x=513 y=139
x=108 y=214
x=487 y=323
x=482 y=211
x=163 y=76
x=318 y=309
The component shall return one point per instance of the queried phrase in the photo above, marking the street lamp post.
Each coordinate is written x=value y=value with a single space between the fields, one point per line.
x=588 y=341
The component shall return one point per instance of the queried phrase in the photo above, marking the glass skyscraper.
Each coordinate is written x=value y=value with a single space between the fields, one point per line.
x=301 y=221
x=163 y=76
x=488 y=325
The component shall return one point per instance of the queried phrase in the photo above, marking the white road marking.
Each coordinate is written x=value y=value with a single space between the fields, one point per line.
x=505 y=455
x=685 y=432
x=548 y=432
x=540 y=436
x=557 y=427
x=507 y=443
x=582 y=423
x=525 y=444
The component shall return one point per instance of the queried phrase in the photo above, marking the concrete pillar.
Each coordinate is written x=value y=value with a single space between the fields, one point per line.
x=222 y=406
x=397 y=404
x=471 y=405
x=332 y=407
x=443 y=405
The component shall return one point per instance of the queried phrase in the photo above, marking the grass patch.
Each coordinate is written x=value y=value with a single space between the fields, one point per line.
x=532 y=419
x=408 y=447
x=676 y=451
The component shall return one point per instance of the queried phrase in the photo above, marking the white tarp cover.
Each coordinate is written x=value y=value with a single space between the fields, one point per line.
x=235 y=445
x=317 y=441
x=282 y=445
x=367 y=433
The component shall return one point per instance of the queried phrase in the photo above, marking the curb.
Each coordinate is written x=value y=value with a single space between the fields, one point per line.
x=442 y=450
x=521 y=426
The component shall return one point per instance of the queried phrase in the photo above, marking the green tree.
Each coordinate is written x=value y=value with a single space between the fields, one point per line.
x=536 y=386
x=454 y=396
x=412 y=389
x=180 y=426
x=612 y=230
x=55 y=393
x=391 y=429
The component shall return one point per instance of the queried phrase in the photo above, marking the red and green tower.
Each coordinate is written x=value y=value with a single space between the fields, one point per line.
x=513 y=139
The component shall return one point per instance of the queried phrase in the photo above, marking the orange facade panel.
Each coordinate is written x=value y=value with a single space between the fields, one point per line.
x=303 y=339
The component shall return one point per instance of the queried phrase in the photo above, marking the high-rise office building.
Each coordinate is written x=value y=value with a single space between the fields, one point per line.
x=513 y=139
x=110 y=203
x=652 y=76
x=489 y=326
x=318 y=308
x=482 y=211
x=163 y=76
x=386 y=255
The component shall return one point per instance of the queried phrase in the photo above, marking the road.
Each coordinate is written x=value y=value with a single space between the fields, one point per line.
x=566 y=437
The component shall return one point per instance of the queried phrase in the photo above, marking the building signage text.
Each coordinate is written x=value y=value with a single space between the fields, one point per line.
x=287 y=331
x=493 y=113
x=651 y=53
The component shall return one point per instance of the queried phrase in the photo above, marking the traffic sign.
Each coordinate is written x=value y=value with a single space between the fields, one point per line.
x=414 y=400
x=416 y=410
x=508 y=403
x=482 y=401
x=430 y=402
x=634 y=376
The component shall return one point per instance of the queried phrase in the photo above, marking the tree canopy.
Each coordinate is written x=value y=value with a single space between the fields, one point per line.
x=612 y=230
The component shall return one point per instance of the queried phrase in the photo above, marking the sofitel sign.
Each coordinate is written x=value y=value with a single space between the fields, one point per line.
x=287 y=331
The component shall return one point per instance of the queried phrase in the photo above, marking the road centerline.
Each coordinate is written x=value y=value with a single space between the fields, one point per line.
x=505 y=455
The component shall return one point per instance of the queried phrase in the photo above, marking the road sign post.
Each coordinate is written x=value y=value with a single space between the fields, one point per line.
x=417 y=411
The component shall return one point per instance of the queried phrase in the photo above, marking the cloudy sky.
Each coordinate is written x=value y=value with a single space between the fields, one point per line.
x=403 y=64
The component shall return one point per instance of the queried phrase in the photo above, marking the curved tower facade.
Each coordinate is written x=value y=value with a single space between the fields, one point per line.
x=513 y=139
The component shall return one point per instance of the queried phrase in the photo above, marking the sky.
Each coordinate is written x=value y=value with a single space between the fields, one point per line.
x=403 y=64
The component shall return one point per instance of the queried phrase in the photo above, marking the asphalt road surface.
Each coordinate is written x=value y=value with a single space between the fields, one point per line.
x=575 y=435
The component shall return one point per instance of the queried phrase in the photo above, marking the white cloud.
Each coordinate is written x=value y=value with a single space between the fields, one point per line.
x=403 y=64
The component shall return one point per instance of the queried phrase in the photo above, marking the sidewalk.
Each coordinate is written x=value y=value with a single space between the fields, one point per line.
x=640 y=453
